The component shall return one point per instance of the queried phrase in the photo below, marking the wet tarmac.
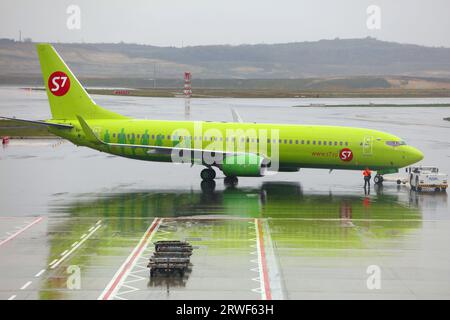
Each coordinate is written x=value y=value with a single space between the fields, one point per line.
x=79 y=224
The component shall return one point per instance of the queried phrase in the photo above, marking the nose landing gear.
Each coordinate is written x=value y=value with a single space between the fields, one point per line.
x=378 y=179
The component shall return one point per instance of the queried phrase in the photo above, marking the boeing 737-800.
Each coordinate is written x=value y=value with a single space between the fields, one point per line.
x=235 y=148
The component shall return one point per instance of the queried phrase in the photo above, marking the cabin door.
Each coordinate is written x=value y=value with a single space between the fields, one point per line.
x=367 y=145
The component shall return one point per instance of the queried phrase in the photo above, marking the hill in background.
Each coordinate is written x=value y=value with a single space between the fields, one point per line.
x=320 y=65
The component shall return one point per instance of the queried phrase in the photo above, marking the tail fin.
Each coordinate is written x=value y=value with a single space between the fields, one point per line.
x=67 y=97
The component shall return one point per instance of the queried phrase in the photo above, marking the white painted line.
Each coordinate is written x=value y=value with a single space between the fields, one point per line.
x=39 y=273
x=276 y=285
x=90 y=229
x=122 y=273
x=26 y=285
x=12 y=297
x=262 y=263
x=74 y=244
x=63 y=253
x=76 y=247
x=11 y=237
x=53 y=262
x=84 y=235
x=98 y=222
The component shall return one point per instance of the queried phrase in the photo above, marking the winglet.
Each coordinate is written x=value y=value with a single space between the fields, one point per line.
x=90 y=135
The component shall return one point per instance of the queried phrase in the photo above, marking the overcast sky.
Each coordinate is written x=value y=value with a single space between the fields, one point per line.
x=200 y=22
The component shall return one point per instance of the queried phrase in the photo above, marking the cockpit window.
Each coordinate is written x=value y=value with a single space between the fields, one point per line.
x=396 y=143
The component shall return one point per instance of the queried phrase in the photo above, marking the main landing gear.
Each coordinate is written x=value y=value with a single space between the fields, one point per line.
x=230 y=181
x=208 y=174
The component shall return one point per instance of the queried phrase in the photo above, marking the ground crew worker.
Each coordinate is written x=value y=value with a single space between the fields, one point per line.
x=367 y=176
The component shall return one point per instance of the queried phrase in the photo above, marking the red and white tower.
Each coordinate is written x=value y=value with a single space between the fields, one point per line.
x=187 y=85
x=187 y=94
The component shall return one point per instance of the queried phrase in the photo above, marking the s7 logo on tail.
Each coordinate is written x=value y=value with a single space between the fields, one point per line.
x=58 y=83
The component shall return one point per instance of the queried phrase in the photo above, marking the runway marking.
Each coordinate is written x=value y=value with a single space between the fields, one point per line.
x=17 y=233
x=53 y=262
x=26 y=285
x=63 y=253
x=122 y=273
x=276 y=286
x=262 y=262
x=12 y=297
x=64 y=257
x=74 y=244
x=37 y=275
x=84 y=235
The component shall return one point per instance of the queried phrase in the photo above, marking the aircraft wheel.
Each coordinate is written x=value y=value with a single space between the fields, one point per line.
x=378 y=179
x=399 y=181
x=437 y=189
x=208 y=185
x=208 y=174
x=230 y=181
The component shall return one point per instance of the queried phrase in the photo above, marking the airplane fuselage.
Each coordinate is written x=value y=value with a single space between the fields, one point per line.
x=296 y=146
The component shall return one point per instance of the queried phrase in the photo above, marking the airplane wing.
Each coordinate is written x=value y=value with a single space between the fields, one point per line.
x=42 y=123
x=152 y=149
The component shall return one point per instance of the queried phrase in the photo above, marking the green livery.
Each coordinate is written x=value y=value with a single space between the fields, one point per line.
x=236 y=148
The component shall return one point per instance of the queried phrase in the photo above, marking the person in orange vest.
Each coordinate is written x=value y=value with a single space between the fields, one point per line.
x=367 y=176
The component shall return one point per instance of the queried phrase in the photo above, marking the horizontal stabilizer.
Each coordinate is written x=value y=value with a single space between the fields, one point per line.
x=42 y=123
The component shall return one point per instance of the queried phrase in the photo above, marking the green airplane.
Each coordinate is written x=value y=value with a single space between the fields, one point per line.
x=235 y=148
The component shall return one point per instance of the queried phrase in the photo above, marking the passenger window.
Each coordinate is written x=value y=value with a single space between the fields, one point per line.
x=340 y=143
x=346 y=143
x=168 y=137
x=307 y=142
x=290 y=141
x=114 y=135
x=324 y=143
x=296 y=141
x=285 y=141
x=303 y=141
x=319 y=142
x=279 y=141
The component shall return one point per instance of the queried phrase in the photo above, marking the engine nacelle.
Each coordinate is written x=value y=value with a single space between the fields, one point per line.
x=248 y=165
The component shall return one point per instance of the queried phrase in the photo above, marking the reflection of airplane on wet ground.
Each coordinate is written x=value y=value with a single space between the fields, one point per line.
x=221 y=224
x=237 y=149
x=271 y=200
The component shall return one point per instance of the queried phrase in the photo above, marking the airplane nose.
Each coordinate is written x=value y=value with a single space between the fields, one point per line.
x=414 y=155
